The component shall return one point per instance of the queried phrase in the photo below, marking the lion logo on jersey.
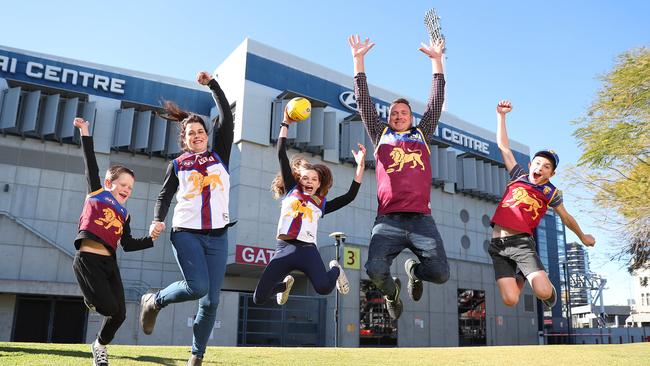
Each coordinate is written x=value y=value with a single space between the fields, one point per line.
x=400 y=157
x=520 y=195
x=199 y=181
x=299 y=207
x=110 y=220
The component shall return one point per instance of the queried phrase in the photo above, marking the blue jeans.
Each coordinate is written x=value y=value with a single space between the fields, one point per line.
x=294 y=255
x=202 y=261
x=391 y=234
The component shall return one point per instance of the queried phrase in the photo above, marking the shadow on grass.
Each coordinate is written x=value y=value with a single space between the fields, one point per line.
x=88 y=355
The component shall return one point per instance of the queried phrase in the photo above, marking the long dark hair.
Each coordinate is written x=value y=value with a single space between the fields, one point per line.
x=299 y=163
x=174 y=113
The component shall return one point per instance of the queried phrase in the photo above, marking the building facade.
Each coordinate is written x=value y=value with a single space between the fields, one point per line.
x=41 y=172
x=578 y=265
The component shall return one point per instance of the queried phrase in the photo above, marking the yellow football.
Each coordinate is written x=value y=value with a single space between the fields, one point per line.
x=299 y=109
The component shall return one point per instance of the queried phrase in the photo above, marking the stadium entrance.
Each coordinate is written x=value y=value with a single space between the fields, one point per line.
x=471 y=318
x=376 y=328
x=300 y=322
x=49 y=319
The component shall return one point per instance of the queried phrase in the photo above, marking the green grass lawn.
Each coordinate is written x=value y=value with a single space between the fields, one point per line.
x=79 y=354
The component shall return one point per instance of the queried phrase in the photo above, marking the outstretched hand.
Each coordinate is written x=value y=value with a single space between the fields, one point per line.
x=433 y=49
x=360 y=156
x=588 y=240
x=358 y=48
x=203 y=77
x=504 y=107
x=286 y=118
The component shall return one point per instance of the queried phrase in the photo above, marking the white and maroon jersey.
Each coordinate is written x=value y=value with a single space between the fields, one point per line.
x=203 y=191
x=403 y=172
x=299 y=216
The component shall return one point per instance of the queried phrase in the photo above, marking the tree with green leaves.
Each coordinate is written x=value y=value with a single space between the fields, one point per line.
x=615 y=164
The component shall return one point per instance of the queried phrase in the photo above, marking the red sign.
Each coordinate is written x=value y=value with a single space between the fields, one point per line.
x=253 y=255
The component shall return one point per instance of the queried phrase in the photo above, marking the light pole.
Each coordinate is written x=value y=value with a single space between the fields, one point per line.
x=339 y=238
x=568 y=298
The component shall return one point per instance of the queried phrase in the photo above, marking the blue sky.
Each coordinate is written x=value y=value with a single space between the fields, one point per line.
x=544 y=56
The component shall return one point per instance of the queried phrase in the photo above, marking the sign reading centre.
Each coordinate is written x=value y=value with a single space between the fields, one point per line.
x=63 y=75
x=256 y=256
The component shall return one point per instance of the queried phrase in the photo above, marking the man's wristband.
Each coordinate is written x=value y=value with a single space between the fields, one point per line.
x=284 y=124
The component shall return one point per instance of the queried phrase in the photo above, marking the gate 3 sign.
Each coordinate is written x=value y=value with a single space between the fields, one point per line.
x=253 y=255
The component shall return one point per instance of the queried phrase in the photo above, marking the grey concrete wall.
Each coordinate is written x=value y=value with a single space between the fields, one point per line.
x=7 y=307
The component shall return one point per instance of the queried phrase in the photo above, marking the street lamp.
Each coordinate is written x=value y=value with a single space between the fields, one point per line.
x=339 y=238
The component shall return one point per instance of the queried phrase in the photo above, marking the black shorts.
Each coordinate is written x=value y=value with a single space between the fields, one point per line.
x=511 y=252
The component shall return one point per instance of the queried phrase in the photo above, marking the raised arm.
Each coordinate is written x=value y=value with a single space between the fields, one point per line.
x=433 y=110
x=342 y=201
x=223 y=134
x=91 y=169
x=365 y=106
x=285 y=166
x=572 y=224
x=504 y=107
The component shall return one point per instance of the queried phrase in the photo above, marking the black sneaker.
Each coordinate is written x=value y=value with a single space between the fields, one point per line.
x=148 y=312
x=550 y=302
x=415 y=286
x=100 y=354
x=395 y=305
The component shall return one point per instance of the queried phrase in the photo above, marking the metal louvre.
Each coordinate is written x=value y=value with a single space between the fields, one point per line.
x=503 y=180
x=480 y=177
x=317 y=127
x=171 y=146
x=442 y=164
x=48 y=117
x=158 y=134
x=123 y=128
x=495 y=181
x=352 y=133
x=9 y=108
x=487 y=175
x=66 y=128
x=433 y=160
x=330 y=130
x=142 y=126
x=451 y=166
x=303 y=131
x=31 y=103
x=469 y=174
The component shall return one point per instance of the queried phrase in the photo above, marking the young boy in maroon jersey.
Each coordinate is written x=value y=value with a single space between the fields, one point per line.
x=523 y=205
x=104 y=223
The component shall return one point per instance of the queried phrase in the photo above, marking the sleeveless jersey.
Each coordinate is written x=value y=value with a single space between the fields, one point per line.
x=524 y=204
x=403 y=172
x=203 y=192
x=104 y=217
x=299 y=216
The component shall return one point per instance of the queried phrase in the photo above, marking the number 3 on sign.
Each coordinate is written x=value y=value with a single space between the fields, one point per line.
x=351 y=258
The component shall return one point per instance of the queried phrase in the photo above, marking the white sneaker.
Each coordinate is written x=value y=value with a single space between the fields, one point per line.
x=342 y=283
x=100 y=354
x=282 y=297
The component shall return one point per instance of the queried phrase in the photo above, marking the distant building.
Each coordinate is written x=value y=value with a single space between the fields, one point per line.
x=578 y=264
x=586 y=316
x=640 y=316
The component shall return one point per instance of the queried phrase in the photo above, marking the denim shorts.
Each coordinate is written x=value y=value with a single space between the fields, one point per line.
x=511 y=252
